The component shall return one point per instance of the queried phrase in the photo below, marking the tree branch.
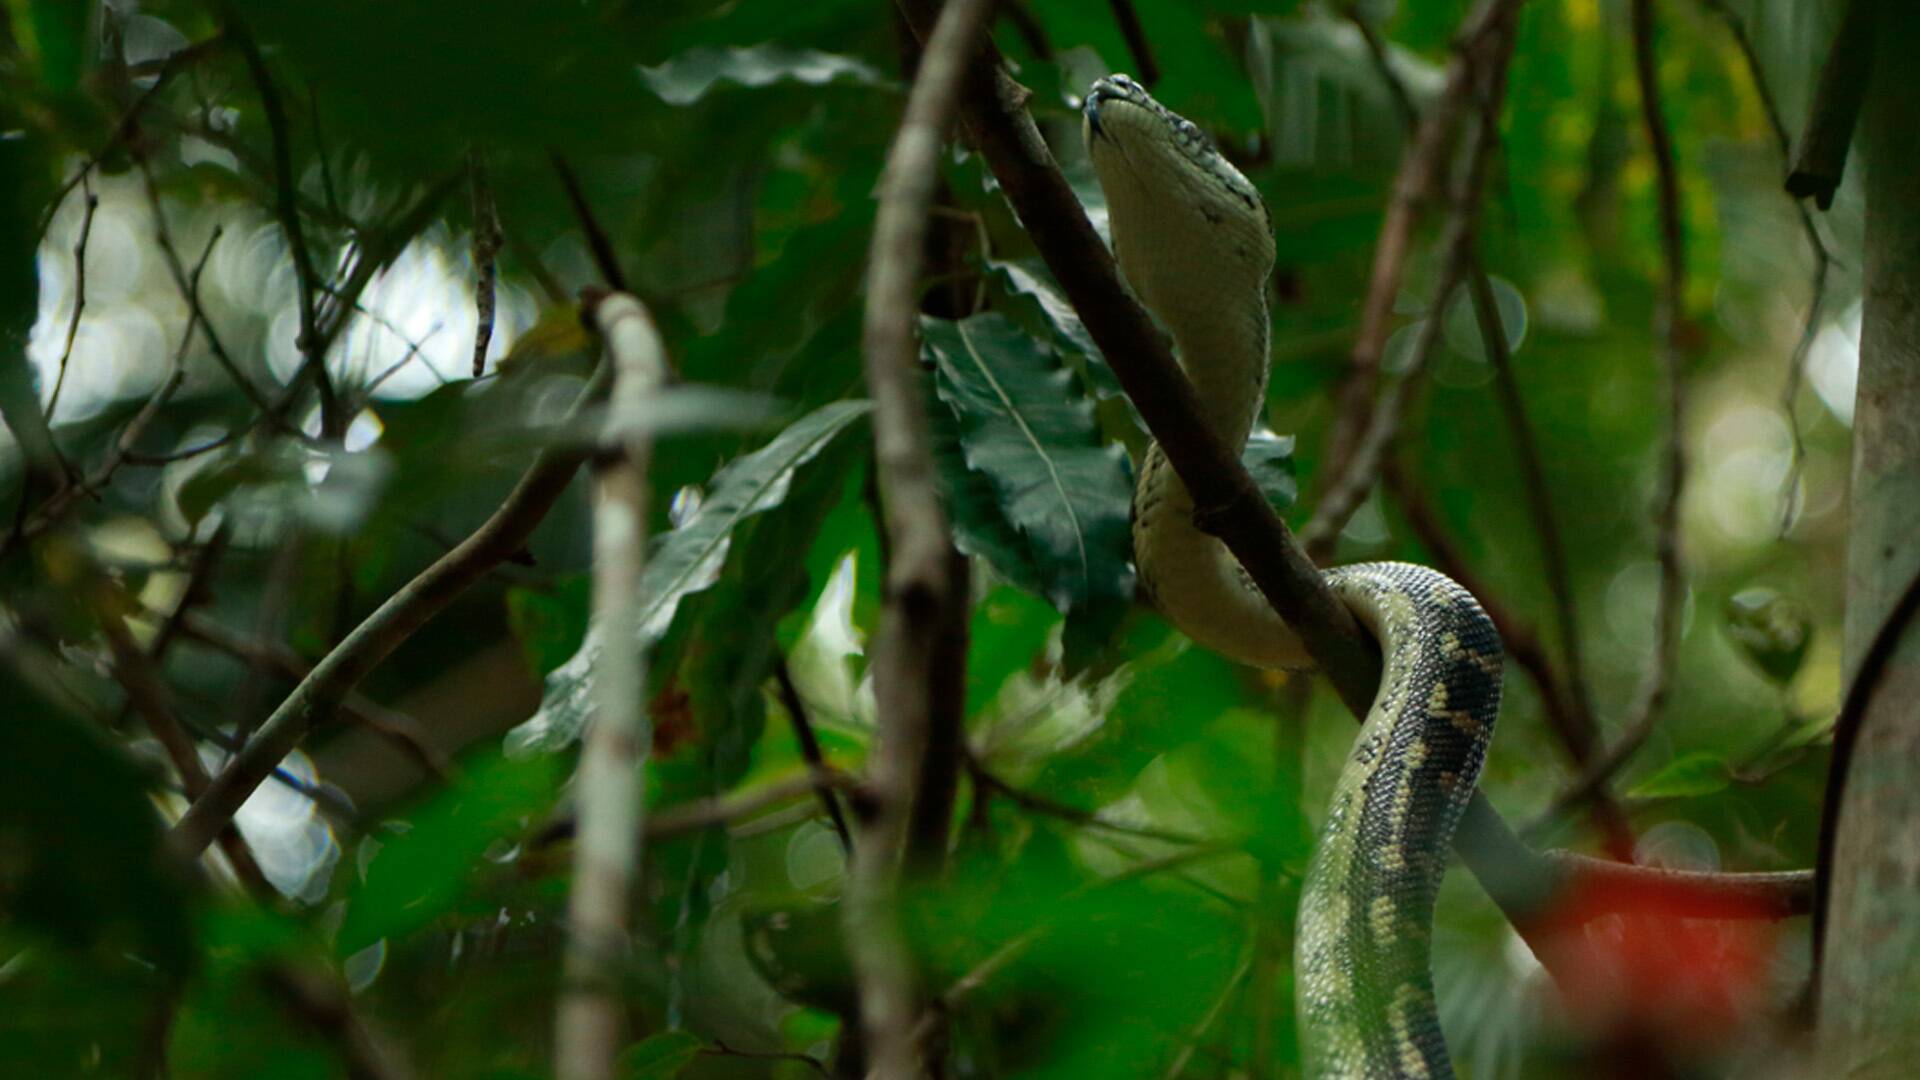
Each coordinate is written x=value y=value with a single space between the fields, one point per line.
x=287 y=210
x=1642 y=717
x=1822 y=158
x=606 y=856
x=314 y=700
x=919 y=651
x=1422 y=171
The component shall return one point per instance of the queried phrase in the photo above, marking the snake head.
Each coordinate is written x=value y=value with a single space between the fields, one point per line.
x=1170 y=192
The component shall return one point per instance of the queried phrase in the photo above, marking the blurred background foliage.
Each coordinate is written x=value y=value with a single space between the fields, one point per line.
x=1137 y=811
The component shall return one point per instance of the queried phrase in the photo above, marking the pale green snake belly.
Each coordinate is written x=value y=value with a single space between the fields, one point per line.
x=1194 y=240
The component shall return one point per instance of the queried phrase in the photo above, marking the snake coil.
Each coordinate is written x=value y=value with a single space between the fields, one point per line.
x=1195 y=242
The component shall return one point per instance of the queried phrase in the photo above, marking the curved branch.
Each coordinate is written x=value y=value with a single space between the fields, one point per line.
x=405 y=612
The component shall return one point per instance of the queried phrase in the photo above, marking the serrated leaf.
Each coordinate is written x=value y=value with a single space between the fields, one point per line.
x=1024 y=424
x=685 y=561
x=689 y=76
x=421 y=873
x=1031 y=281
x=980 y=528
x=659 y=1057
x=1686 y=776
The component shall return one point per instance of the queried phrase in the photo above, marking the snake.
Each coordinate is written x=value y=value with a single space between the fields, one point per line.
x=1194 y=241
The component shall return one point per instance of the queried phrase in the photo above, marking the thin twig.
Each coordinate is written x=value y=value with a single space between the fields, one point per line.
x=1090 y=819
x=597 y=240
x=720 y=1049
x=809 y=741
x=287 y=210
x=189 y=291
x=1580 y=733
x=320 y=151
x=1822 y=264
x=1421 y=174
x=1138 y=46
x=1356 y=474
x=607 y=851
x=486 y=249
x=56 y=506
x=919 y=650
x=322 y=1004
x=315 y=699
x=1644 y=714
x=91 y=204
x=147 y=693
x=1212 y=1015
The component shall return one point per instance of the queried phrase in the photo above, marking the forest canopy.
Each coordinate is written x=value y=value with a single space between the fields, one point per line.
x=316 y=592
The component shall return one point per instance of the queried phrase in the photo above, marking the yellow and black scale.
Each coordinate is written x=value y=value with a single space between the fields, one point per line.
x=1194 y=241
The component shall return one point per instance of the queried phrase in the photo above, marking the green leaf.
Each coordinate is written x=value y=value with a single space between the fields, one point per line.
x=1169 y=697
x=1008 y=628
x=422 y=873
x=1688 y=775
x=659 y=1057
x=1269 y=458
x=1773 y=631
x=550 y=624
x=1024 y=424
x=688 y=77
x=1463 y=325
x=686 y=561
x=85 y=863
x=1029 y=285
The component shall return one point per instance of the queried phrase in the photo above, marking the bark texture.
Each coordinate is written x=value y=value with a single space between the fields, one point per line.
x=1869 y=994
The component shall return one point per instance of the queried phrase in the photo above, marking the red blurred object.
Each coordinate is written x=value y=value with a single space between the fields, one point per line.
x=1652 y=989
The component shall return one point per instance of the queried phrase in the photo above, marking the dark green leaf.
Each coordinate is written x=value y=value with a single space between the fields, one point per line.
x=422 y=872
x=691 y=75
x=1024 y=425
x=84 y=861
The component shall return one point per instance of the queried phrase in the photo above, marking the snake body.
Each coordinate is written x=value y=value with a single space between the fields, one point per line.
x=1194 y=241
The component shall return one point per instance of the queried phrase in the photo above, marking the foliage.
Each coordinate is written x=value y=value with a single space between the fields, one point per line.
x=1135 y=811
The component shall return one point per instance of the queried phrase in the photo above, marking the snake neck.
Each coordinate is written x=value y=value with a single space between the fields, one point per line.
x=1195 y=581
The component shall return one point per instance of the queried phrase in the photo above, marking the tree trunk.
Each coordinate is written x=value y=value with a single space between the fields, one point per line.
x=1869 y=996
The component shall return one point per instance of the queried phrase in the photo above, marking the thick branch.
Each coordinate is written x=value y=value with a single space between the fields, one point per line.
x=1822 y=157
x=919 y=651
